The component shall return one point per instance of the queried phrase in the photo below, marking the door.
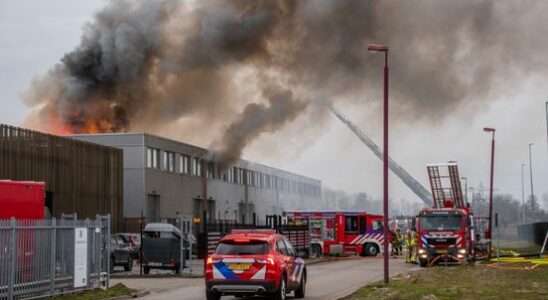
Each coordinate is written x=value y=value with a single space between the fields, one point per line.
x=288 y=261
x=153 y=208
x=296 y=269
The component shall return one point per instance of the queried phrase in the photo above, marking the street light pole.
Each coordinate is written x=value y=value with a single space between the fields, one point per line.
x=531 y=176
x=522 y=195
x=384 y=49
x=492 y=130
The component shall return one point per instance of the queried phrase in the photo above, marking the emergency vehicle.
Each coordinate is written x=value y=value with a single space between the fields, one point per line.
x=255 y=262
x=341 y=232
x=22 y=199
x=446 y=231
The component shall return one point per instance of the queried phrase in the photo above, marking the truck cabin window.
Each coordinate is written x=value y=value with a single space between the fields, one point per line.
x=440 y=222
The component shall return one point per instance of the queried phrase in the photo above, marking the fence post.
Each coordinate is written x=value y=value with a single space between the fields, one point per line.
x=13 y=257
x=108 y=251
x=52 y=257
x=99 y=224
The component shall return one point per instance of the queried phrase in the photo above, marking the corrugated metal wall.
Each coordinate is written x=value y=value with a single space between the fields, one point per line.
x=81 y=177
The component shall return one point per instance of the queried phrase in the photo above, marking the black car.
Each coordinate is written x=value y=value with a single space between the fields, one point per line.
x=133 y=240
x=120 y=254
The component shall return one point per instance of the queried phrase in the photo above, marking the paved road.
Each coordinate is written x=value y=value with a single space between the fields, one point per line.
x=329 y=280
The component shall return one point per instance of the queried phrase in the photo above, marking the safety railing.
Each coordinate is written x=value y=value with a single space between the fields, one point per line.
x=40 y=258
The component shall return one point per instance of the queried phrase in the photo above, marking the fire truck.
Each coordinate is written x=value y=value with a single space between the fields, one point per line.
x=446 y=231
x=22 y=199
x=340 y=232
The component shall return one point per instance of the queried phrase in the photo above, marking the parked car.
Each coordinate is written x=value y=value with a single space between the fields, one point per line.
x=134 y=242
x=161 y=247
x=252 y=262
x=120 y=254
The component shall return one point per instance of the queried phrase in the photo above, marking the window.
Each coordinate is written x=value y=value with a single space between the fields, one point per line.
x=149 y=157
x=289 y=248
x=171 y=161
x=377 y=225
x=186 y=164
x=164 y=160
x=362 y=225
x=280 y=247
x=152 y=158
x=251 y=248
x=351 y=224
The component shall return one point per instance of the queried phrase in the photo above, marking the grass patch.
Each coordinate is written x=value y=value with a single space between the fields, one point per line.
x=464 y=282
x=115 y=291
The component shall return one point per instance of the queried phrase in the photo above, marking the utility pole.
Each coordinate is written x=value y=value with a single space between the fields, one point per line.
x=492 y=131
x=522 y=195
x=531 y=177
x=547 y=124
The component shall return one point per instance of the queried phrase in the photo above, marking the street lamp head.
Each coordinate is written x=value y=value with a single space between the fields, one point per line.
x=488 y=129
x=531 y=144
x=377 y=48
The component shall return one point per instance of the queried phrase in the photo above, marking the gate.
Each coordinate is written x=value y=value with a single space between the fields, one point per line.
x=40 y=258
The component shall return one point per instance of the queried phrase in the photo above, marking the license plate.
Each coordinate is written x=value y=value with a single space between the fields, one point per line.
x=239 y=267
x=153 y=264
x=441 y=251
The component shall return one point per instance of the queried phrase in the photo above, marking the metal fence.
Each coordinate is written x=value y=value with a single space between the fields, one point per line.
x=40 y=258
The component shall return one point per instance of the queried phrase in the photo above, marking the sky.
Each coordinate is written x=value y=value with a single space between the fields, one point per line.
x=34 y=35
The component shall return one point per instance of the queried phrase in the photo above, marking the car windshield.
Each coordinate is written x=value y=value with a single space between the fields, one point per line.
x=440 y=222
x=251 y=248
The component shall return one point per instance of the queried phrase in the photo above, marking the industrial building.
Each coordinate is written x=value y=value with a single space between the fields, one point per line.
x=163 y=180
x=81 y=177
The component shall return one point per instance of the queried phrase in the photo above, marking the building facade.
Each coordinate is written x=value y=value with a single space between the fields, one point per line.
x=81 y=177
x=163 y=180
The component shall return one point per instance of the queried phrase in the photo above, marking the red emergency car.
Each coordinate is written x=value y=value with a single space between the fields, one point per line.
x=255 y=262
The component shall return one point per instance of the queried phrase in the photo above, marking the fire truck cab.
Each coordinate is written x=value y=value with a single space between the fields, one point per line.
x=341 y=232
x=446 y=231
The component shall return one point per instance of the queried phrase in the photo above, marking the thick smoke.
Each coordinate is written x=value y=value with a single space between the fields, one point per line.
x=256 y=119
x=150 y=64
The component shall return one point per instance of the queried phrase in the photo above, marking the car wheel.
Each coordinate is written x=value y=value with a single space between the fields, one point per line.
x=371 y=250
x=423 y=262
x=301 y=291
x=281 y=292
x=316 y=250
x=146 y=270
x=111 y=265
x=212 y=296
x=129 y=266
x=177 y=269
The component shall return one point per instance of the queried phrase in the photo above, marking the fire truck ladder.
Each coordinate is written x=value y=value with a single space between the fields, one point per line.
x=411 y=182
x=441 y=193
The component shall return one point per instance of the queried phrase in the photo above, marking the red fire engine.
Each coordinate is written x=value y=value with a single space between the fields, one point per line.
x=22 y=199
x=341 y=232
x=446 y=231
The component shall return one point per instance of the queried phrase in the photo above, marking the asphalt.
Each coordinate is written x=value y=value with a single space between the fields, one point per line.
x=326 y=281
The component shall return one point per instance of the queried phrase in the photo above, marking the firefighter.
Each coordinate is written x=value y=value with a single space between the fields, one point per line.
x=393 y=241
x=400 y=238
x=411 y=243
x=408 y=246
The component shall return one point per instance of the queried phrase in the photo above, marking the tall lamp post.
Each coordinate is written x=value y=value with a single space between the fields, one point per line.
x=492 y=130
x=531 y=176
x=522 y=195
x=384 y=49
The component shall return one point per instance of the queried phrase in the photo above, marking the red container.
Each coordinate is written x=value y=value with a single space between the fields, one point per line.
x=22 y=199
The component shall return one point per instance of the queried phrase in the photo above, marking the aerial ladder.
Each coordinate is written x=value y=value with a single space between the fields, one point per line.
x=446 y=187
x=411 y=182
